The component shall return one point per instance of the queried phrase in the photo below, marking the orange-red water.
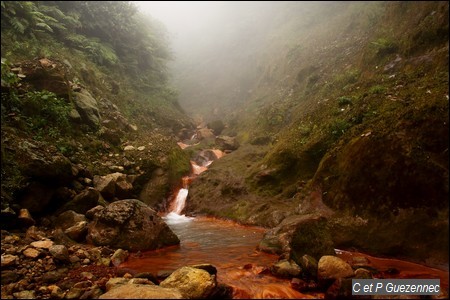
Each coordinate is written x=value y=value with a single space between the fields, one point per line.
x=231 y=248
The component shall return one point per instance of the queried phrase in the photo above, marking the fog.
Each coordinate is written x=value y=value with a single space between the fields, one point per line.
x=225 y=51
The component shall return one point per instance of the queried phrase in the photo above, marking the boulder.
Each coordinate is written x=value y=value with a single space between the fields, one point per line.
x=59 y=252
x=83 y=202
x=53 y=170
x=44 y=74
x=78 y=231
x=298 y=235
x=193 y=283
x=205 y=134
x=9 y=260
x=141 y=291
x=227 y=142
x=156 y=188
x=119 y=257
x=131 y=225
x=333 y=267
x=286 y=268
x=114 y=185
x=87 y=107
x=68 y=219
x=25 y=218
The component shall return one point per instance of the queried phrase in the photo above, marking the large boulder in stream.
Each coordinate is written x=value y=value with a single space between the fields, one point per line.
x=193 y=283
x=298 y=235
x=131 y=225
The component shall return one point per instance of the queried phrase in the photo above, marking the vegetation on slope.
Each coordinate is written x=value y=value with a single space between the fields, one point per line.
x=352 y=105
x=55 y=53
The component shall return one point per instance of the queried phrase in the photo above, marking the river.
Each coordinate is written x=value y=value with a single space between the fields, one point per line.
x=232 y=249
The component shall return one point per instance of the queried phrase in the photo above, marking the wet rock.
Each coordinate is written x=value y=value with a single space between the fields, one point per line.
x=309 y=265
x=130 y=225
x=119 y=257
x=286 y=268
x=359 y=261
x=60 y=252
x=87 y=107
x=68 y=219
x=222 y=291
x=191 y=282
x=332 y=267
x=363 y=273
x=227 y=142
x=77 y=232
x=207 y=267
x=303 y=286
x=9 y=260
x=31 y=253
x=340 y=289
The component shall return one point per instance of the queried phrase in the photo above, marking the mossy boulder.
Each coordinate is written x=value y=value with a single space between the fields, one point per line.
x=298 y=235
x=131 y=225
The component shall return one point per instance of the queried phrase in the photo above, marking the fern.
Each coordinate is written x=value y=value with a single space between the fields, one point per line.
x=44 y=26
x=18 y=25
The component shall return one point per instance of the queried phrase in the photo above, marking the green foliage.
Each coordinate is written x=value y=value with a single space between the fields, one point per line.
x=377 y=89
x=179 y=165
x=338 y=127
x=10 y=99
x=384 y=46
x=45 y=109
x=342 y=101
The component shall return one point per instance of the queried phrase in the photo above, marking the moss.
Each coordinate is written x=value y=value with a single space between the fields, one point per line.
x=313 y=239
x=178 y=165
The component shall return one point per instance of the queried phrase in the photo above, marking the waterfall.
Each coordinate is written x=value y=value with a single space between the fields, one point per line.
x=179 y=201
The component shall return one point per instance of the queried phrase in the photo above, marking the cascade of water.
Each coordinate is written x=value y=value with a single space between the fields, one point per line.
x=177 y=205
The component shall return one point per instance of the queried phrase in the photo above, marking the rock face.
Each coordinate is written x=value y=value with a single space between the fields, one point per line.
x=87 y=107
x=298 y=235
x=193 y=283
x=130 y=225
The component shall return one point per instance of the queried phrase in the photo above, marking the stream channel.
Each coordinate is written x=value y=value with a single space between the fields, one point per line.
x=232 y=249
